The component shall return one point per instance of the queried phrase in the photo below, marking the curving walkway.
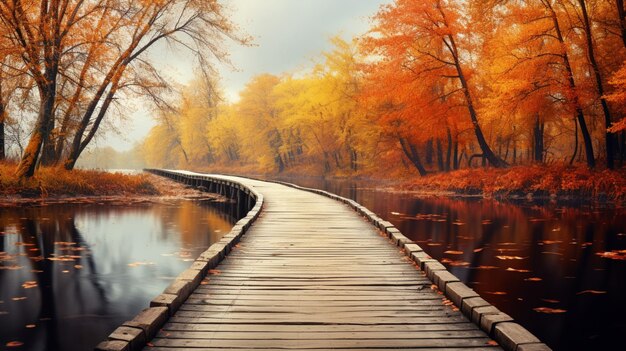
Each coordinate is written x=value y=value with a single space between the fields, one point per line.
x=312 y=274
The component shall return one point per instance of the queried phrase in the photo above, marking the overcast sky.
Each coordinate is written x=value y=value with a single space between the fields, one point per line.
x=288 y=34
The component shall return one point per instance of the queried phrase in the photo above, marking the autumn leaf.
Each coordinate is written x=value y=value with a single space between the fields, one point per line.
x=549 y=310
x=592 y=292
x=14 y=344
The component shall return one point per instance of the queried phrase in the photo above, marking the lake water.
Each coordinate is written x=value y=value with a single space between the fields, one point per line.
x=70 y=274
x=557 y=269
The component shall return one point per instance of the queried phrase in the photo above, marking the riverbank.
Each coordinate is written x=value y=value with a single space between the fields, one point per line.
x=55 y=185
x=561 y=182
x=537 y=182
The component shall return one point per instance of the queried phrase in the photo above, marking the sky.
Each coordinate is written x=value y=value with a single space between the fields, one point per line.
x=288 y=36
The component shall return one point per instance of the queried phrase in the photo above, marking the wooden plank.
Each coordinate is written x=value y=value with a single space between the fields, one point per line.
x=312 y=274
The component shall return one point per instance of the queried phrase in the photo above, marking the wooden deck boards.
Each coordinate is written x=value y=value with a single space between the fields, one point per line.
x=311 y=274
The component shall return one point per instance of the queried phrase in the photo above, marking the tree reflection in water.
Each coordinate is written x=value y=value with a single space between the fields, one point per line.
x=71 y=273
x=525 y=258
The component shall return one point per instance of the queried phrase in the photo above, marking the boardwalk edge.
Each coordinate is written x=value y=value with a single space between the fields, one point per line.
x=501 y=327
x=135 y=334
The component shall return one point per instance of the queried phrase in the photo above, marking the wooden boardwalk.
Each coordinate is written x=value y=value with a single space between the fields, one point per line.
x=311 y=274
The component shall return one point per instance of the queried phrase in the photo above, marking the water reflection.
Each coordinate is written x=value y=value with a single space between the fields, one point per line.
x=545 y=265
x=71 y=273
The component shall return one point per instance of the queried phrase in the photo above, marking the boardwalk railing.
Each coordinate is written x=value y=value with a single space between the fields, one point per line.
x=134 y=334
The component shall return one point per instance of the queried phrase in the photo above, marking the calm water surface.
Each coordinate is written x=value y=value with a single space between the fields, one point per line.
x=70 y=274
x=559 y=270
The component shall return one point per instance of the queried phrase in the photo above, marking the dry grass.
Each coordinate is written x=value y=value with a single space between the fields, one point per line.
x=53 y=181
x=557 y=180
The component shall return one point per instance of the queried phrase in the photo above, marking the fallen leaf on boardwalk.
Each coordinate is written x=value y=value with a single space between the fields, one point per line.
x=613 y=255
x=496 y=292
x=492 y=342
x=517 y=270
x=533 y=279
x=453 y=252
x=479 y=249
x=14 y=344
x=215 y=271
x=593 y=292
x=549 y=310
x=509 y=258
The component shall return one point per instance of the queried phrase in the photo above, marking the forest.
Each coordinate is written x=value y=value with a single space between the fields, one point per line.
x=433 y=86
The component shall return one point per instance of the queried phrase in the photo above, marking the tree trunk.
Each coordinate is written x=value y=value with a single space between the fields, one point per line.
x=494 y=160
x=572 y=85
x=621 y=13
x=28 y=163
x=455 y=156
x=429 y=151
x=2 y=121
x=610 y=151
x=440 y=156
x=538 y=130
x=411 y=153
x=449 y=150
x=571 y=161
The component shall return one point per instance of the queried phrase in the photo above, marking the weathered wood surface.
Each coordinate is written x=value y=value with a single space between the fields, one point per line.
x=311 y=274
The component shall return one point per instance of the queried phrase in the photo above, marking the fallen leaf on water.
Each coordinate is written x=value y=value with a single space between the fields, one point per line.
x=434 y=244
x=550 y=300
x=458 y=223
x=550 y=242
x=485 y=267
x=30 y=326
x=496 y=292
x=19 y=298
x=533 y=279
x=453 y=252
x=29 y=284
x=549 y=310
x=509 y=258
x=613 y=255
x=11 y=268
x=395 y=213
x=14 y=344
x=459 y=263
x=479 y=249
x=593 y=292
x=77 y=266
x=517 y=270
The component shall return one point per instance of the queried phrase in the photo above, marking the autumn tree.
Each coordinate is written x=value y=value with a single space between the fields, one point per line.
x=82 y=54
x=433 y=40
